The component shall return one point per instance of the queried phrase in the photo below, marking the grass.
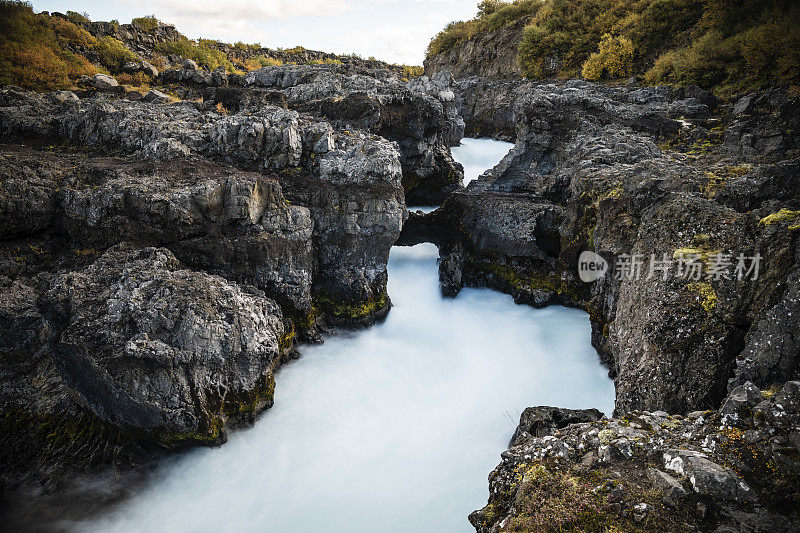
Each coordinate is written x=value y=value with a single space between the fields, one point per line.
x=727 y=46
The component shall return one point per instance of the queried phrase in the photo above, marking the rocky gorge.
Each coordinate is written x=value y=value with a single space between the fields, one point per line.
x=161 y=256
x=666 y=176
x=161 y=259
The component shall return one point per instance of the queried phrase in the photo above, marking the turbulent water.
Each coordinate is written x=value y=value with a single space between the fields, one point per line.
x=478 y=155
x=394 y=428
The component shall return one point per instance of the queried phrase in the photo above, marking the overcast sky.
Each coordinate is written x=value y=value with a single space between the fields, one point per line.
x=392 y=30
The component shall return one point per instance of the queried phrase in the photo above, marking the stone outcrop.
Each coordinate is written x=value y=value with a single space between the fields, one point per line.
x=493 y=54
x=159 y=265
x=650 y=471
x=419 y=116
x=151 y=347
x=631 y=171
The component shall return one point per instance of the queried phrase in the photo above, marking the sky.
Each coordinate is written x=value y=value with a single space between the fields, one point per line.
x=397 y=31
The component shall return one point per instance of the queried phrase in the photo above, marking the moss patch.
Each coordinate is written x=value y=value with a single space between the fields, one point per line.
x=706 y=294
x=210 y=437
x=782 y=217
x=253 y=401
x=513 y=280
x=352 y=312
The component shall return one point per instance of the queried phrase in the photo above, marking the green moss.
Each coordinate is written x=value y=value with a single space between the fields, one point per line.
x=512 y=280
x=783 y=217
x=252 y=401
x=287 y=340
x=56 y=429
x=211 y=436
x=352 y=311
x=705 y=292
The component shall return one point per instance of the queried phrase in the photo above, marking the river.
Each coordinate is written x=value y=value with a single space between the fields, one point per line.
x=394 y=428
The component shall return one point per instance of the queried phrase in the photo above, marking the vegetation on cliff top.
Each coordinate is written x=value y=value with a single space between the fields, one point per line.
x=728 y=46
x=43 y=52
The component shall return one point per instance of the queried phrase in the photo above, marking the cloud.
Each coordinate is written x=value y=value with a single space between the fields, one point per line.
x=392 y=30
x=241 y=9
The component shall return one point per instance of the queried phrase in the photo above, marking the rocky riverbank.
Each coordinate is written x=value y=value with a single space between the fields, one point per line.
x=732 y=469
x=656 y=181
x=160 y=259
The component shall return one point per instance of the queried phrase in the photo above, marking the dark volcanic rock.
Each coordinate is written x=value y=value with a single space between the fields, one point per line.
x=348 y=185
x=543 y=421
x=492 y=54
x=634 y=172
x=613 y=471
x=151 y=347
x=419 y=116
x=246 y=231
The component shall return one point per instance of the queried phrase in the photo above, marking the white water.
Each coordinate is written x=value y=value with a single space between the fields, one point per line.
x=391 y=429
x=478 y=155
x=395 y=428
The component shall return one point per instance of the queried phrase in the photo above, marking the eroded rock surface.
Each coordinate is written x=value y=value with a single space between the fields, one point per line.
x=650 y=471
x=650 y=173
x=152 y=347
x=158 y=261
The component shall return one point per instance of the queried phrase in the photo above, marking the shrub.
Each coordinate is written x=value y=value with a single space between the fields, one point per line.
x=411 y=71
x=326 y=61
x=112 y=53
x=78 y=18
x=148 y=23
x=31 y=54
x=729 y=46
x=613 y=60
x=446 y=39
x=202 y=53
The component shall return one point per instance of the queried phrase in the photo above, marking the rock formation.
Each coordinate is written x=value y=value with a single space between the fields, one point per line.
x=159 y=259
x=642 y=172
x=733 y=469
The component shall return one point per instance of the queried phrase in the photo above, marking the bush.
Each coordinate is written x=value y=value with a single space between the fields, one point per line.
x=78 y=18
x=112 y=53
x=718 y=44
x=613 y=60
x=31 y=55
x=148 y=23
x=492 y=15
x=202 y=53
x=454 y=33
x=325 y=61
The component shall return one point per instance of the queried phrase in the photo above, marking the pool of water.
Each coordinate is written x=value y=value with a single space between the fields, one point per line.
x=391 y=429
x=479 y=155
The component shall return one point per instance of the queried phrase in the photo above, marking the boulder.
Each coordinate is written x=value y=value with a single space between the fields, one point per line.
x=543 y=421
x=744 y=104
x=149 y=69
x=707 y=477
x=152 y=347
x=188 y=64
x=156 y=96
x=671 y=489
x=741 y=401
x=104 y=81
x=64 y=97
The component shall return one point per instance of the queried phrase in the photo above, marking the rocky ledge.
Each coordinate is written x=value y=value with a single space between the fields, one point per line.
x=159 y=259
x=732 y=469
